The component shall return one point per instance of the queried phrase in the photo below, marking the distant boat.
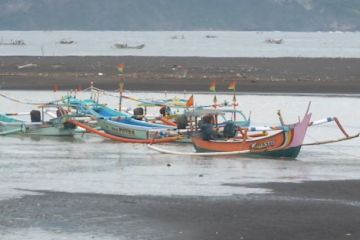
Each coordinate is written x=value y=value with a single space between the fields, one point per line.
x=274 y=40
x=210 y=36
x=178 y=37
x=66 y=41
x=126 y=46
x=13 y=42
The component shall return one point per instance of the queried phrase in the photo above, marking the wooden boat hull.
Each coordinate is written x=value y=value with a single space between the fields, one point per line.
x=281 y=153
x=132 y=131
x=282 y=144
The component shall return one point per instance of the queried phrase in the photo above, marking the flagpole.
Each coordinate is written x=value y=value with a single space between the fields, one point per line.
x=121 y=93
x=234 y=103
x=232 y=86
x=213 y=88
x=121 y=84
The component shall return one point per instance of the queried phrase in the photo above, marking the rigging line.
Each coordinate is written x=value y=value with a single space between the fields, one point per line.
x=26 y=102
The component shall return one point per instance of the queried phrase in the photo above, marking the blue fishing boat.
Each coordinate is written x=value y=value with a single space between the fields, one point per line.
x=136 y=129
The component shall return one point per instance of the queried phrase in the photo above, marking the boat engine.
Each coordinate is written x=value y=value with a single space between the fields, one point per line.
x=35 y=116
x=230 y=129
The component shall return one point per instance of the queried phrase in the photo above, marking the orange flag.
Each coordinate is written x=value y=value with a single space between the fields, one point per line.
x=212 y=86
x=232 y=86
x=121 y=67
x=190 y=101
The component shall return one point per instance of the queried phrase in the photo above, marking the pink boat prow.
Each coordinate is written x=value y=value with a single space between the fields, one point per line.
x=285 y=143
x=300 y=131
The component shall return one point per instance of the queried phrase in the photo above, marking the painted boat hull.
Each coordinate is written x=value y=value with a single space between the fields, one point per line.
x=282 y=144
x=49 y=131
x=132 y=131
x=54 y=128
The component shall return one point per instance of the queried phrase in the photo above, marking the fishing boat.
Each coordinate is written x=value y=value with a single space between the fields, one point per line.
x=126 y=46
x=66 y=41
x=10 y=125
x=54 y=127
x=136 y=129
x=13 y=42
x=122 y=126
x=92 y=108
x=102 y=111
x=285 y=142
x=274 y=40
x=175 y=112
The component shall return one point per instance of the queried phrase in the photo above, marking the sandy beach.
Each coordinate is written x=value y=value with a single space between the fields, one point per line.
x=55 y=178
x=283 y=75
x=316 y=210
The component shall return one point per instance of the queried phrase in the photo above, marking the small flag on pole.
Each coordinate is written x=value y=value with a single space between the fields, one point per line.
x=56 y=88
x=121 y=67
x=212 y=86
x=232 y=86
x=190 y=101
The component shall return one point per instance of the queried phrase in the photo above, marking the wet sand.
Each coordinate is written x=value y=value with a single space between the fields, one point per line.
x=284 y=75
x=312 y=210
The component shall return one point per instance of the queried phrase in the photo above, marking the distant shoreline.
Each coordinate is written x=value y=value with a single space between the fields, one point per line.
x=253 y=75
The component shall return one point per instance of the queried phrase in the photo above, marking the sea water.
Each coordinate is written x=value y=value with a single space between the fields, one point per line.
x=185 y=43
x=88 y=163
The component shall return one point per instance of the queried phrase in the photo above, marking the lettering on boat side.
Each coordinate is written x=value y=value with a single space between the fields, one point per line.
x=125 y=131
x=262 y=146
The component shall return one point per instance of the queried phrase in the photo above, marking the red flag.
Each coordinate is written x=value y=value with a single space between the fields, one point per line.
x=56 y=88
x=190 y=101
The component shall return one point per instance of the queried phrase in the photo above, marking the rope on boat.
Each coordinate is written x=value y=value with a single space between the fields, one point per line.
x=121 y=139
x=162 y=150
x=25 y=102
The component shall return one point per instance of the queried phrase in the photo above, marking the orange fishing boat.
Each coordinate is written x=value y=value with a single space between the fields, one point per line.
x=283 y=142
